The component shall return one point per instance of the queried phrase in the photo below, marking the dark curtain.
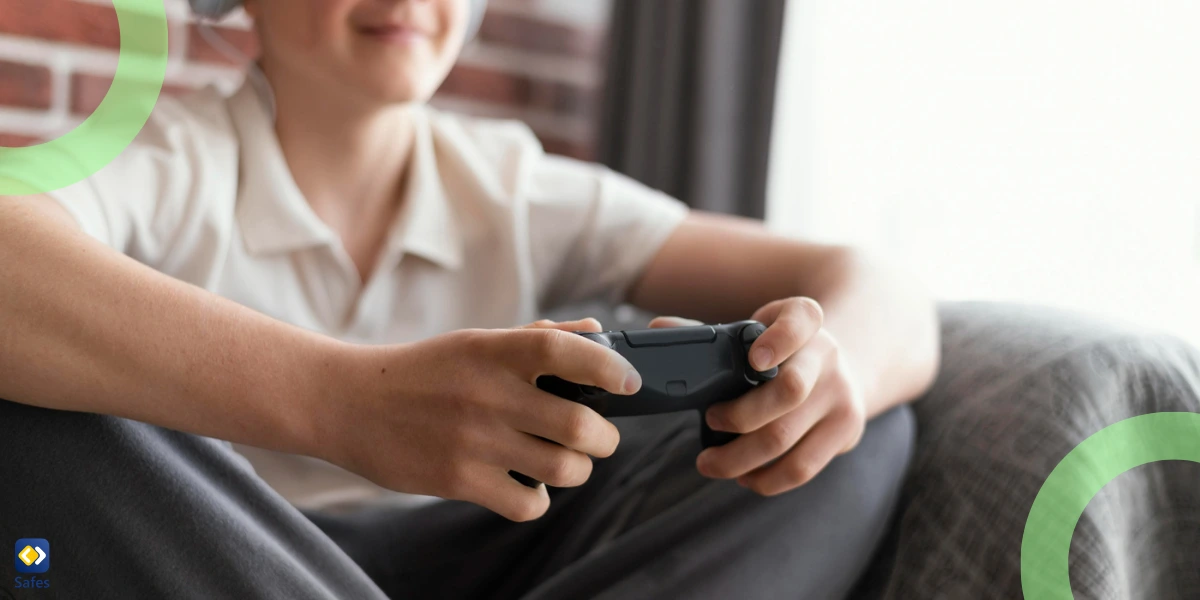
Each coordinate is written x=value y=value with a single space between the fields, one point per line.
x=690 y=96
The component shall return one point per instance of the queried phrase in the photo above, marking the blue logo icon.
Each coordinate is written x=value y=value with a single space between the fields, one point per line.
x=32 y=555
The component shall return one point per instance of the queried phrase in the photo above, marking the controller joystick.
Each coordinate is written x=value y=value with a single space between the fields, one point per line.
x=748 y=334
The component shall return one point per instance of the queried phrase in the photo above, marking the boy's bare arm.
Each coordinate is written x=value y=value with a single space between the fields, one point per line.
x=720 y=268
x=85 y=328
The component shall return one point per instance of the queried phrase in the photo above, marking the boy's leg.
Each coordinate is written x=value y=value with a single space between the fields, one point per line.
x=647 y=525
x=136 y=511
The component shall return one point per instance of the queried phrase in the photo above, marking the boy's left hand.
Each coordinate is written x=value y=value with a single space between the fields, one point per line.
x=795 y=424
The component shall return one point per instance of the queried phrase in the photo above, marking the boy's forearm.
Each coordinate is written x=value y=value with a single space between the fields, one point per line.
x=87 y=329
x=719 y=268
x=886 y=326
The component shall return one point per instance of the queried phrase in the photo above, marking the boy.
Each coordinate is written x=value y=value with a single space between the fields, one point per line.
x=321 y=266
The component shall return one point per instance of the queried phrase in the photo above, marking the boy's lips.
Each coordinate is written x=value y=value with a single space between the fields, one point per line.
x=394 y=33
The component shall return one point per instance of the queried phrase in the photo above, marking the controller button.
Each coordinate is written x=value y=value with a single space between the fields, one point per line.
x=598 y=338
x=677 y=388
x=670 y=336
x=591 y=391
x=757 y=377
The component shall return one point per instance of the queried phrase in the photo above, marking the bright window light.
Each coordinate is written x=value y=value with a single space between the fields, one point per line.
x=1020 y=150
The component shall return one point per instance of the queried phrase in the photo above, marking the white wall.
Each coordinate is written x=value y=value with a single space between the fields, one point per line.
x=1031 y=150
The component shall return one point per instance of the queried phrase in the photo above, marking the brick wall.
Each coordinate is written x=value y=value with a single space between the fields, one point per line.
x=540 y=61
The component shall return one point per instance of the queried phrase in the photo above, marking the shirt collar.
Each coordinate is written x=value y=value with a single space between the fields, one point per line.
x=274 y=216
x=427 y=226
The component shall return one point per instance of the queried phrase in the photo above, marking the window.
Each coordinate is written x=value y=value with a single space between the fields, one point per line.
x=1021 y=150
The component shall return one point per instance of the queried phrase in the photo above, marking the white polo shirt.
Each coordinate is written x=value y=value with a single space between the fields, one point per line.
x=493 y=232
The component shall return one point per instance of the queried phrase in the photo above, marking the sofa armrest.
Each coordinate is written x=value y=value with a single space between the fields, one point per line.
x=1019 y=387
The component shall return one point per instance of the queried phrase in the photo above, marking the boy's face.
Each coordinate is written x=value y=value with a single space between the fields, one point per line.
x=387 y=51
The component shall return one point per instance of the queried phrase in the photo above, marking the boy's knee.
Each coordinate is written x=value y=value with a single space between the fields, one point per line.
x=889 y=439
x=1157 y=372
x=867 y=480
x=25 y=428
x=1114 y=378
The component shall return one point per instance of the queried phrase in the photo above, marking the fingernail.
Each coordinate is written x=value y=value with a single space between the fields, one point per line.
x=633 y=381
x=761 y=357
x=664 y=321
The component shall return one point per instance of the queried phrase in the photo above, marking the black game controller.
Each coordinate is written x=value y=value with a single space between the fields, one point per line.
x=682 y=368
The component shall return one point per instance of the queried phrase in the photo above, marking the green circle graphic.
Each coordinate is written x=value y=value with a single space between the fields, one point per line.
x=1080 y=476
x=141 y=69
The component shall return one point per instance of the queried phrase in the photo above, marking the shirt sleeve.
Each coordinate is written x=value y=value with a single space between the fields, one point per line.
x=593 y=231
x=137 y=203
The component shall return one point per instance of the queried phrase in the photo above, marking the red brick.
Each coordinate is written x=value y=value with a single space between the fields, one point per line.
x=63 y=21
x=527 y=33
x=13 y=140
x=26 y=86
x=200 y=49
x=516 y=90
x=88 y=90
x=485 y=84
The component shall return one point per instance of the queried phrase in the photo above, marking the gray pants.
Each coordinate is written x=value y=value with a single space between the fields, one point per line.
x=137 y=511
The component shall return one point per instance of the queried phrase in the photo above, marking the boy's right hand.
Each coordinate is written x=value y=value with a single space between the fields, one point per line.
x=452 y=415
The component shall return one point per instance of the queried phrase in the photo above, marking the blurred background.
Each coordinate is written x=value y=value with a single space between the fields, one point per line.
x=540 y=61
x=1044 y=152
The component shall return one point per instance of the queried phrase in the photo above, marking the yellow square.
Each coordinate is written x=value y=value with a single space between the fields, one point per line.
x=27 y=555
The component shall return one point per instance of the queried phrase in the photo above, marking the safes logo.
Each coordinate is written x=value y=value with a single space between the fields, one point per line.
x=32 y=556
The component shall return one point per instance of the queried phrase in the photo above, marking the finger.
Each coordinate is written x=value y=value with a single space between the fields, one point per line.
x=805 y=461
x=658 y=322
x=570 y=424
x=796 y=380
x=496 y=490
x=757 y=448
x=544 y=461
x=574 y=358
x=588 y=324
x=791 y=323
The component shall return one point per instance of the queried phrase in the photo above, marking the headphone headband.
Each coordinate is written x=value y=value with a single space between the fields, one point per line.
x=216 y=9
x=213 y=9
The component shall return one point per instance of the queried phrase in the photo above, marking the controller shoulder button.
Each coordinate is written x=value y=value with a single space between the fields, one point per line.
x=670 y=336
x=599 y=338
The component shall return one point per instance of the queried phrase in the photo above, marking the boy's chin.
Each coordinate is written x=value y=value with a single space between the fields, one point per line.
x=392 y=87
x=398 y=94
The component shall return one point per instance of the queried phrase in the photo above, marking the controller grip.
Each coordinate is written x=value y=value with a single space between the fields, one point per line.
x=710 y=437
x=524 y=479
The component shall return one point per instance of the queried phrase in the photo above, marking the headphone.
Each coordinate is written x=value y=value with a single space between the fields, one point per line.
x=215 y=9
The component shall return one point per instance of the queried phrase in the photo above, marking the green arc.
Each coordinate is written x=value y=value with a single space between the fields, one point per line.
x=1102 y=457
x=141 y=70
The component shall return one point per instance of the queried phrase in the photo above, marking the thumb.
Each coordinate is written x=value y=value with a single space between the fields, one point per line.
x=673 y=322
